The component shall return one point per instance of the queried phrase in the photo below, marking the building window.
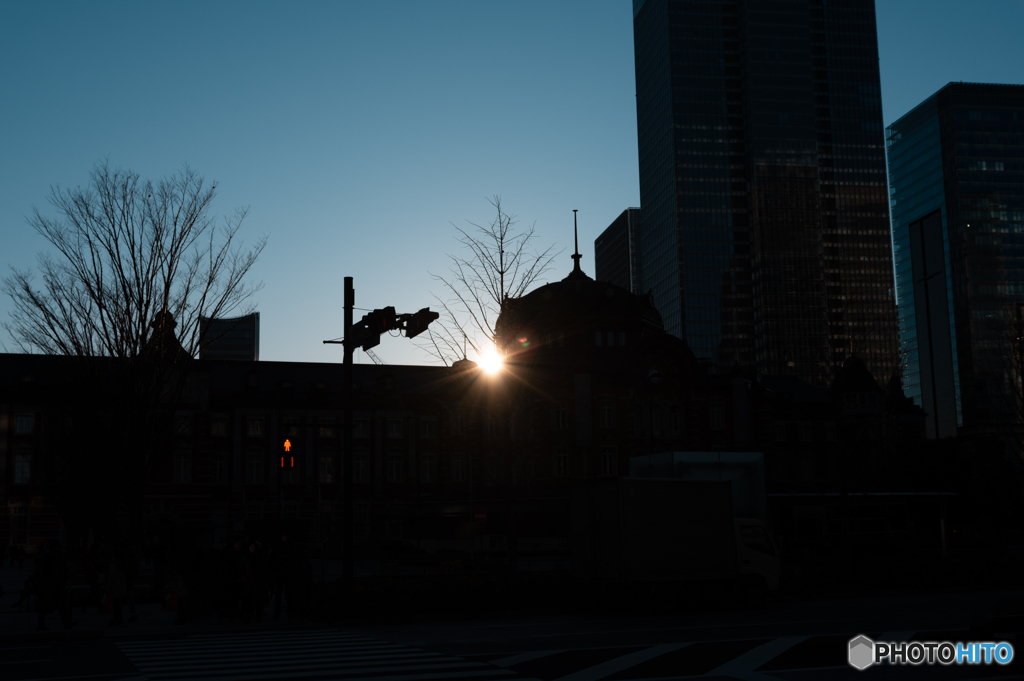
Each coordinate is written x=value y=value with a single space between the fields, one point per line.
x=611 y=339
x=254 y=469
x=253 y=380
x=609 y=460
x=559 y=418
x=22 y=469
x=182 y=467
x=622 y=339
x=394 y=473
x=717 y=417
x=361 y=428
x=608 y=414
x=560 y=469
x=631 y=423
x=428 y=469
x=675 y=422
x=19 y=525
x=361 y=470
x=325 y=471
x=394 y=428
x=807 y=467
x=183 y=425
x=220 y=470
x=254 y=426
x=805 y=433
x=597 y=338
x=24 y=424
x=780 y=431
x=326 y=428
x=428 y=429
x=830 y=432
x=290 y=426
x=561 y=339
x=218 y=426
x=458 y=469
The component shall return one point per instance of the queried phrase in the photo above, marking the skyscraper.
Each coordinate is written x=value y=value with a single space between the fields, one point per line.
x=615 y=252
x=956 y=172
x=765 y=229
x=236 y=338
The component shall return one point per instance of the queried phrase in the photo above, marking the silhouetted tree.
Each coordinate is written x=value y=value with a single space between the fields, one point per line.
x=137 y=265
x=498 y=263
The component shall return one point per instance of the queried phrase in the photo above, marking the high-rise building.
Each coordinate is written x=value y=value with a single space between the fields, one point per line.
x=956 y=173
x=616 y=256
x=765 y=226
x=235 y=338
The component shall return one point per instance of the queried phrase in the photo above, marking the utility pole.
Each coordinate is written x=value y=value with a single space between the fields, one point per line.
x=348 y=456
x=366 y=334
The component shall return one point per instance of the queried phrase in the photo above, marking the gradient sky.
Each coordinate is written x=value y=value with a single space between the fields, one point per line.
x=357 y=132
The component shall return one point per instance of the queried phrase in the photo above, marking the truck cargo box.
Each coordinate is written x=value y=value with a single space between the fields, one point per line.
x=651 y=530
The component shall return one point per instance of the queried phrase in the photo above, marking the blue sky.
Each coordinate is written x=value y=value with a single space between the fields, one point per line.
x=356 y=132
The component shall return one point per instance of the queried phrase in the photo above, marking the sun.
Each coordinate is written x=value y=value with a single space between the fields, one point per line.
x=491 y=362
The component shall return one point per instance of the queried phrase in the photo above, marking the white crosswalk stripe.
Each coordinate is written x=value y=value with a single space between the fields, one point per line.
x=302 y=655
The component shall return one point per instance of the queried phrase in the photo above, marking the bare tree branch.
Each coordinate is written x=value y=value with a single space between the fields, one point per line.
x=498 y=263
x=136 y=265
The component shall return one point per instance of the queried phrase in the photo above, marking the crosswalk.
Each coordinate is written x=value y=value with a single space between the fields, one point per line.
x=322 y=655
x=299 y=655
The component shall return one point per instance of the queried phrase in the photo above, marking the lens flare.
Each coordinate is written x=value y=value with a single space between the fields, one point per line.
x=491 y=362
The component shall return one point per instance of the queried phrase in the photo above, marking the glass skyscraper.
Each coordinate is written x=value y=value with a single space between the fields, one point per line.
x=615 y=252
x=956 y=173
x=765 y=226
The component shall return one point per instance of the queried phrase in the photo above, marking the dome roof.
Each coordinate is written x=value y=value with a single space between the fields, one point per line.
x=573 y=305
x=580 y=321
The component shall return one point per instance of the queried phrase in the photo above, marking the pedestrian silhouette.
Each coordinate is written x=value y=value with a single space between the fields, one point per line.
x=116 y=589
x=93 y=568
x=51 y=577
x=298 y=583
x=130 y=566
x=280 y=557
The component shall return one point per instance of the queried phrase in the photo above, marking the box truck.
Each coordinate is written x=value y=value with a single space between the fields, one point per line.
x=676 y=538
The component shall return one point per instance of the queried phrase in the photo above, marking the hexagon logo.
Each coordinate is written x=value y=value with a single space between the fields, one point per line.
x=861 y=652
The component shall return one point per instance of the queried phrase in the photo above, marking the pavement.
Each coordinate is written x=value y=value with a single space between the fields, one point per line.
x=19 y=624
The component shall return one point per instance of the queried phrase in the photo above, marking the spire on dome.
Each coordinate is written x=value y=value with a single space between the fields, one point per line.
x=576 y=273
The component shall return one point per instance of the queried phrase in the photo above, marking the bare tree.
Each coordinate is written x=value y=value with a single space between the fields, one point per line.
x=498 y=263
x=137 y=265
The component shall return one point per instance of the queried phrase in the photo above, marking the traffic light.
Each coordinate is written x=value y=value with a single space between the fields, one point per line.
x=376 y=323
x=419 y=321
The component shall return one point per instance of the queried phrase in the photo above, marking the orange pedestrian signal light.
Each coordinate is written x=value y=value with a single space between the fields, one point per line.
x=287 y=445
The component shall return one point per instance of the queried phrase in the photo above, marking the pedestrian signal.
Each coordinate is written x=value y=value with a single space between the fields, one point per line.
x=287 y=456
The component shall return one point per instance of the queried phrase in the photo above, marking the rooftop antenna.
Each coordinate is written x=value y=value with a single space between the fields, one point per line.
x=576 y=242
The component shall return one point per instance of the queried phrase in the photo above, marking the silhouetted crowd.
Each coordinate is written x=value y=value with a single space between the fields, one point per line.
x=237 y=582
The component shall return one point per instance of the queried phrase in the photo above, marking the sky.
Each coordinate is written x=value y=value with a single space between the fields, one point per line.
x=358 y=133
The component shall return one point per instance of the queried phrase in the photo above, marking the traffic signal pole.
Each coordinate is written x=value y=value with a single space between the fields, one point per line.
x=348 y=505
x=366 y=335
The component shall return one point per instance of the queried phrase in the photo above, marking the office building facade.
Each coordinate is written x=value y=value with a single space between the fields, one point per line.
x=765 y=231
x=956 y=173
x=237 y=338
x=616 y=252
